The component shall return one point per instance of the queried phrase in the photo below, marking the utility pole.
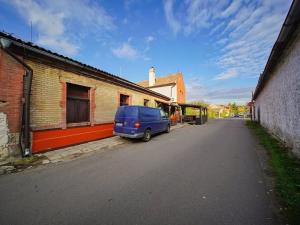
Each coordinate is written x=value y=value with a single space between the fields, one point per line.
x=30 y=31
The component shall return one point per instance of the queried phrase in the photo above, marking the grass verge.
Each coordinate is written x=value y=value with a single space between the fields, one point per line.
x=286 y=169
x=23 y=163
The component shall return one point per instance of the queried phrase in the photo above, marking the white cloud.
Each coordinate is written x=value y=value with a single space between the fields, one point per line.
x=126 y=51
x=171 y=20
x=216 y=28
x=232 y=8
x=229 y=95
x=55 y=20
x=222 y=41
x=192 y=15
x=243 y=31
x=198 y=89
x=125 y=21
x=129 y=3
x=230 y=73
x=70 y=48
x=250 y=40
x=243 y=47
x=149 y=39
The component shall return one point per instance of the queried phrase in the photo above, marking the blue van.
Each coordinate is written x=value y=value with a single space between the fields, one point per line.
x=140 y=122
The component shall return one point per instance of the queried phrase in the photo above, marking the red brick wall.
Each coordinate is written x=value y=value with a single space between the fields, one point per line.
x=11 y=90
x=180 y=89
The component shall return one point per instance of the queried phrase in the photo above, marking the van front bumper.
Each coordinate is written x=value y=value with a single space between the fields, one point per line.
x=137 y=135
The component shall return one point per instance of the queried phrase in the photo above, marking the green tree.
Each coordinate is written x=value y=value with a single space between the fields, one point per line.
x=235 y=109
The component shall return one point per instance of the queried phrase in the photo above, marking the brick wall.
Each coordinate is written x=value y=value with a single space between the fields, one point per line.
x=180 y=90
x=11 y=93
x=278 y=104
x=48 y=97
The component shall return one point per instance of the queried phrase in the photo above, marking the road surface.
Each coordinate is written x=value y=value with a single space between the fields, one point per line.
x=208 y=174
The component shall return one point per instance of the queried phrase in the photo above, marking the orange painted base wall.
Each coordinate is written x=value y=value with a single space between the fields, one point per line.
x=46 y=140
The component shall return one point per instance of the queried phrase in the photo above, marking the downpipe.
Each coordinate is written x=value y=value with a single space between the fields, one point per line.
x=27 y=92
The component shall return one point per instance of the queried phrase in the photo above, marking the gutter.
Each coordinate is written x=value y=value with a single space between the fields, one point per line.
x=25 y=128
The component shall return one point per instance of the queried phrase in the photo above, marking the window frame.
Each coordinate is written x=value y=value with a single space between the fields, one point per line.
x=128 y=99
x=77 y=101
x=146 y=102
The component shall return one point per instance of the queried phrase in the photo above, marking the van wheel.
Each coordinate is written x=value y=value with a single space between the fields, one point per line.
x=168 y=129
x=147 y=135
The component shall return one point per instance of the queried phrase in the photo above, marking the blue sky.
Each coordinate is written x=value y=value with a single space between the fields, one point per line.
x=220 y=46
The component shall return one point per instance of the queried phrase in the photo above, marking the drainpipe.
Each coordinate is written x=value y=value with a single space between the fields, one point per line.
x=27 y=91
x=25 y=129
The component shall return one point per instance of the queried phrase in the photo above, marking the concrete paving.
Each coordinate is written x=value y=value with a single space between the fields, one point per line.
x=208 y=174
x=73 y=152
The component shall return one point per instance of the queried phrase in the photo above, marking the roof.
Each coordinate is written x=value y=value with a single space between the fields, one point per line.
x=32 y=51
x=286 y=34
x=192 y=105
x=163 y=85
x=170 y=79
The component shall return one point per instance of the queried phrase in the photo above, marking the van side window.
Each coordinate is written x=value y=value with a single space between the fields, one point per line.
x=162 y=114
x=149 y=114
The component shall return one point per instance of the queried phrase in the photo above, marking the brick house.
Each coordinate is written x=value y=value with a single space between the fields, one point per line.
x=277 y=95
x=48 y=101
x=172 y=86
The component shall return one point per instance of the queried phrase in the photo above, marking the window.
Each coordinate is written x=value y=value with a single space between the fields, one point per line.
x=163 y=114
x=78 y=104
x=146 y=102
x=124 y=99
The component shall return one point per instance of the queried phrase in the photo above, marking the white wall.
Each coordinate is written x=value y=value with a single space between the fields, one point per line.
x=278 y=104
x=170 y=91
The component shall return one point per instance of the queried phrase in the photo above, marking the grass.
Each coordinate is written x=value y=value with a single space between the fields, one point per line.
x=286 y=169
x=27 y=161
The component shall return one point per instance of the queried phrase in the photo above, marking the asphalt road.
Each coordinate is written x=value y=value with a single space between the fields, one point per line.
x=208 y=174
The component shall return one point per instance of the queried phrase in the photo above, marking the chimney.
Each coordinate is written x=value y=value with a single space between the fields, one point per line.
x=151 y=76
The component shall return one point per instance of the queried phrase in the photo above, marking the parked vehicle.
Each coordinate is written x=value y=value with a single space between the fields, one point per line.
x=140 y=122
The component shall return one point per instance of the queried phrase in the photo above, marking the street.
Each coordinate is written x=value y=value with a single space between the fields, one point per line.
x=208 y=174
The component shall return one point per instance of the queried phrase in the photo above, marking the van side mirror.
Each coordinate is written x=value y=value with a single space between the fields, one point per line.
x=165 y=117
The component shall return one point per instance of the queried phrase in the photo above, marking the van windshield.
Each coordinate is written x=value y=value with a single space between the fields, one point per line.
x=127 y=111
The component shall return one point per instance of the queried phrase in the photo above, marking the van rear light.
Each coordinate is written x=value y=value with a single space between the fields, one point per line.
x=137 y=125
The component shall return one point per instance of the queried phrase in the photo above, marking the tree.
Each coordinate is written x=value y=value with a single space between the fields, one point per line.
x=234 y=109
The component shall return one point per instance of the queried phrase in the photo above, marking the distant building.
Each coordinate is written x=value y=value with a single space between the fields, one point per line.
x=220 y=111
x=277 y=94
x=171 y=85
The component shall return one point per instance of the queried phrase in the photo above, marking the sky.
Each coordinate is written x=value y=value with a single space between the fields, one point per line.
x=221 y=47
